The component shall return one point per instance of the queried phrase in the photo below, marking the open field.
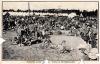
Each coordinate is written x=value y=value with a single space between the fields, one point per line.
x=35 y=52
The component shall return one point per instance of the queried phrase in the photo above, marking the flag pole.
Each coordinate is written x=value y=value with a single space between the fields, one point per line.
x=29 y=8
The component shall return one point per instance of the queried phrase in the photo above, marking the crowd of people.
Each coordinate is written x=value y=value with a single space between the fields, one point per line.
x=37 y=28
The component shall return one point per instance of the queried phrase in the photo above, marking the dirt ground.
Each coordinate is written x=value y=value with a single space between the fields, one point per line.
x=35 y=52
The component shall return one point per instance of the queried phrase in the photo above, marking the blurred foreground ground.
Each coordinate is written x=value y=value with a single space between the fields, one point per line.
x=34 y=52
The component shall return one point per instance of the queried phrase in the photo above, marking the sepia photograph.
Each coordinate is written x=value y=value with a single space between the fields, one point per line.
x=56 y=31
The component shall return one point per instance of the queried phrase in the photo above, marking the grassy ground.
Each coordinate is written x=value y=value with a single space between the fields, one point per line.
x=35 y=52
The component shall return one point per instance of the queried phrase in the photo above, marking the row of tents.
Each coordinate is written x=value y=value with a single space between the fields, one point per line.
x=41 y=14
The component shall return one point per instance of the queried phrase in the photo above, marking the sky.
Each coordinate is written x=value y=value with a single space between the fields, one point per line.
x=51 y=5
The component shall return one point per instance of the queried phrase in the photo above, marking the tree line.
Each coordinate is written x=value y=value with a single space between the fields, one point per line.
x=78 y=12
